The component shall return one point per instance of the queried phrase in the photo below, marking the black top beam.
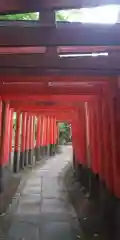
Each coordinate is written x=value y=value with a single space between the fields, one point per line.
x=41 y=61
x=22 y=72
x=64 y=34
x=18 y=6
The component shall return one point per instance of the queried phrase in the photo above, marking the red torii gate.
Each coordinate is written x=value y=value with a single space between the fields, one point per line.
x=39 y=75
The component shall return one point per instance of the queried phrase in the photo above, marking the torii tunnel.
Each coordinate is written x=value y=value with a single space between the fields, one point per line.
x=41 y=79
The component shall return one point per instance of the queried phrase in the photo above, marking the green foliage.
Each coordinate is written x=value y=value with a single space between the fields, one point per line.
x=64 y=133
x=60 y=16
x=22 y=16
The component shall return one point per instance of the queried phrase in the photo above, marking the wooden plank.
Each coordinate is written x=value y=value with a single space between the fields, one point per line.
x=16 y=79
x=16 y=6
x=37 y=72
x=42 y=109
x=32 y=89
x=37 y=61
x=60 y=116
x=60 y=50
x=25 y=50
x=80 y=49
x=57 y=98
x=35 y=64
x=73 y=34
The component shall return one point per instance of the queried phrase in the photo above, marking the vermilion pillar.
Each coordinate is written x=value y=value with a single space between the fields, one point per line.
x=103 y=130
x=48 y=136
x=76 y=148
x=16 y=163
x=46 y=141
x=6 y=147
x=81 y=135
x=93 y=137
x=93 y=150
x=99 y=130
x=10 y=137
x=54 y=135
x=41 y=137
x=51 y=136
x=27 y=140
x=77 y=154
x=115 y=141
x=38 y=135
x=97 y=149
x=43 y=134
x=23 y=137
x=0 y=114
x=84 y=147
x=107 y=141
x=3 y=125
x=57 y=133
x=33 y=139
x=30 y=160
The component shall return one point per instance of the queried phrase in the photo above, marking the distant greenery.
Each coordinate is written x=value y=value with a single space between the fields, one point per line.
x=73 y=15
x=31 y=16
x=22 y=16
x=64 y=133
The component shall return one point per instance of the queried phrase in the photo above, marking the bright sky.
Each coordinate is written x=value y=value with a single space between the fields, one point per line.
x=103 y=15
x=106 y=14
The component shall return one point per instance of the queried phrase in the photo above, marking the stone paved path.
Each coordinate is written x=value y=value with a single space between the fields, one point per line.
x=43 y=212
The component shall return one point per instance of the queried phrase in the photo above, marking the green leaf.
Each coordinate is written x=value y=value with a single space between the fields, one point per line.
x=22 y=16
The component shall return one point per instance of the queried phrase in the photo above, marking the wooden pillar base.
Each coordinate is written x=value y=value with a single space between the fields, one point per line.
x=26 y=158
x=37 y=154
x=1 y=179
x=48 y=150
x=52 y=149
x=10 y=161
x=16 y=162
x=117 y=221
x=30 y=156
x=87 y=178
x=40 y=154
x=110 y=209
x=77 y=168
x=43 y=151
x=22 y=160
x=90 y=181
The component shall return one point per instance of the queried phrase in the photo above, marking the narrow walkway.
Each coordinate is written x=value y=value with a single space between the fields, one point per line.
x=43 y=211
